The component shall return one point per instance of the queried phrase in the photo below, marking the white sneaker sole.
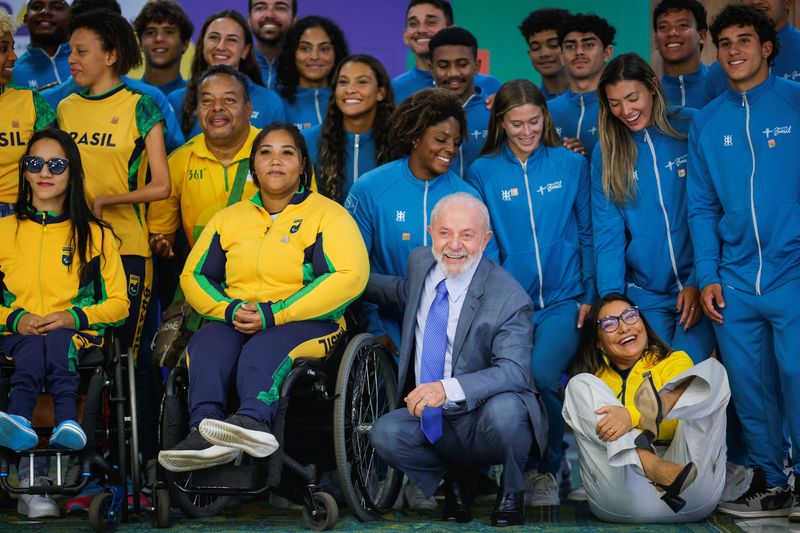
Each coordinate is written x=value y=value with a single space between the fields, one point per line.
x=188 y=460
x=39 y=510
x=251 y=442
x=755 y=514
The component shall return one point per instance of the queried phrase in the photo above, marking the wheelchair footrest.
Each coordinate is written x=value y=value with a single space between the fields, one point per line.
x=232 y=477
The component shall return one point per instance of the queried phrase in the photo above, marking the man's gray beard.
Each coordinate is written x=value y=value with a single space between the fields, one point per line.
x=439 y=257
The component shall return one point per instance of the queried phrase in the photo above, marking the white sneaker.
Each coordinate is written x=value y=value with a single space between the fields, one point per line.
x=578 y=494
x=36 y=505
x=737 y=480
x=541 y=490
x=417 y=500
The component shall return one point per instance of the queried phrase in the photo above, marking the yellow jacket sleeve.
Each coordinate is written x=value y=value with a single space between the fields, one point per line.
x=9 y=318
x=163 y=216
x=341 y=271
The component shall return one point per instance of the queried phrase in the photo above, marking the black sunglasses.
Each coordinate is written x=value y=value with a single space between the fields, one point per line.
x=610 y=323
x=34 y=164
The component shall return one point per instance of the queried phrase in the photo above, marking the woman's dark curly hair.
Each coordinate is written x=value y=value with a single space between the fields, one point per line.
x=590 y=356
x=248 y=65
x=331 y=151
x=419 y=112
x=299 y=142
x=288 y=77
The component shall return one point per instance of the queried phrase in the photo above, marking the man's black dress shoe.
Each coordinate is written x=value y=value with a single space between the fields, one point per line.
x=457 y=502
x=508 y=511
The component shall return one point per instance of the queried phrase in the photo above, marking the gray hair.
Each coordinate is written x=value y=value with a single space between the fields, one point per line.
x=465 y=200
x=7 y=23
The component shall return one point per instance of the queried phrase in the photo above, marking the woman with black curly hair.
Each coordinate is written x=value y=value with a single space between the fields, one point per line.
x=313 y=48
x=354 y=138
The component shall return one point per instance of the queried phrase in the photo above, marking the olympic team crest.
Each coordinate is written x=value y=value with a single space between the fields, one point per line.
x=296 y=225
x=134 y=283
x=66 y=256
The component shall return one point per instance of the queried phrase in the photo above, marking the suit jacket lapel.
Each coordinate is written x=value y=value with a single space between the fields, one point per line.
x=416 y=276
x=470 y=308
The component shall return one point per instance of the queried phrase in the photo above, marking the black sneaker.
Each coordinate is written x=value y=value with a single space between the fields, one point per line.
x=194 y=453
x=759 y=500
x=240 y=432
x=794 y=514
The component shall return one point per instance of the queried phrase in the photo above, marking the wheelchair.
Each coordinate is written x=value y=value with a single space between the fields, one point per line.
x=325 y=413
x=110 y=423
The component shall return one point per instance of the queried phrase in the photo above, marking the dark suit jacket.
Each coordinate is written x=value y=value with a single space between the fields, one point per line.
x=493 y=340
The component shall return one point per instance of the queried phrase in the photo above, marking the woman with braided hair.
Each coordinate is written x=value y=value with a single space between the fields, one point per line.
x=354 y=137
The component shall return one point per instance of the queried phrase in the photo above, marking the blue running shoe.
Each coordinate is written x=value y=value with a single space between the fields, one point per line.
x=68 y=435
x=16 y=432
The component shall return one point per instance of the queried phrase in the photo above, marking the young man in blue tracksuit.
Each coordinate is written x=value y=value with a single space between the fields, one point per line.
x=586 y=44
x=269 y=20
x=540 y=31
x=425 y=18
x=745 y=225
x=454 y=64
x=45 y=62
x=787 y=61
x=360 y=154
x=680 y=28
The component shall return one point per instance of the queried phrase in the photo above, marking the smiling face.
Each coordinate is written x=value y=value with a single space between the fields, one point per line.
x=48 y=189
x=523 y=125
x=458 y=238
x=356 y=91
x=454 y=68
x=278 y=165
x=89 y=64
x=434 y=150
x=584 y=56
x=627 y=344
x=677 y=38
x=743 y=57
x=161 y=44
x=47 y=21
x=314 y=57
x=422 y=22
x=631 y=102
x=269 y=19
x=545 y=53
x=224 y=43
x=222 y=110
x=7 y=58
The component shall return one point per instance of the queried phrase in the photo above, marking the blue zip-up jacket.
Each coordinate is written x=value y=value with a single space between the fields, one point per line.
x=392 y=209
x=267 y=106
x=269 y=69
x=575 y=115
x=547 y=94
x=173 y=136
x=309 y=108
x=477 y=131
x=744 y=191
x=541 y=219
x=415 y=80
x=169 y=87
x=35 y=69
x=687 y=90
x=787 y=64
x=360 y=154
x=645 y=241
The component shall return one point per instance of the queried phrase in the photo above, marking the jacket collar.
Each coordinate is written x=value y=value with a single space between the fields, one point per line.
x=753 y=94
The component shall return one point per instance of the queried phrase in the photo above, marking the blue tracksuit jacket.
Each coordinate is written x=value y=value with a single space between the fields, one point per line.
x=477 y=131
x=267 y=107
x=35 y=69
x=541 y=217
x=687 y=90
x=415 y=80
x=269 y=69
x=646 y=241
x=744 y=214
x=309 y=107
x=359 y=151
x=575 y=115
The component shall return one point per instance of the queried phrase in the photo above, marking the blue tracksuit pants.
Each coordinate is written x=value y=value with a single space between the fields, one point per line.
x=258 y=364
x=555 y=343
x=659 y=309
x=46 y=362
x=758 y=340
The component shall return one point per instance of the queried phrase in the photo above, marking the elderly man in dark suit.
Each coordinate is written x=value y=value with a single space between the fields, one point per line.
x=464 y=366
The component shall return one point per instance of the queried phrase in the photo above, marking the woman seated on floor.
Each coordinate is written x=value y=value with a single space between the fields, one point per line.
x=650 y=427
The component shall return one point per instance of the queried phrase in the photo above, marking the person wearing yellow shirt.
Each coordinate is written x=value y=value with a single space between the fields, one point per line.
x=273 y=276
x=61 y=286
x=650 y=427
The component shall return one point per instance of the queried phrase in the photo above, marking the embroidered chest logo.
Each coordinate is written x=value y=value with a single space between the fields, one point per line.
x=195 y=174
x=677 y=163
x=296 y=225
x=133 y=284
x=400 y=216
x=593 y=130
x=508 y=194
x=550 y=187
x=254 y=115
x=727 y=140
x=794 y=75
x=479 y=133
x=774 y=132
x=558 y=130
x=636 y=175
x=350 y=203
x=66 y=256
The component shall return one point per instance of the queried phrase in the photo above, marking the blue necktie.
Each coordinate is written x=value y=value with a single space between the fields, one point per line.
x=434 y=346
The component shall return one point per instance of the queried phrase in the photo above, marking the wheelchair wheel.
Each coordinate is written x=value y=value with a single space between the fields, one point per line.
x=365 y=389
x=133 y=442
x=102 y=517
x=161 y=511
x=324 y=516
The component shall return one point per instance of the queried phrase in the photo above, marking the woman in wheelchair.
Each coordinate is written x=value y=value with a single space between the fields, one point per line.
x=61 y=286
x=273 y=275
